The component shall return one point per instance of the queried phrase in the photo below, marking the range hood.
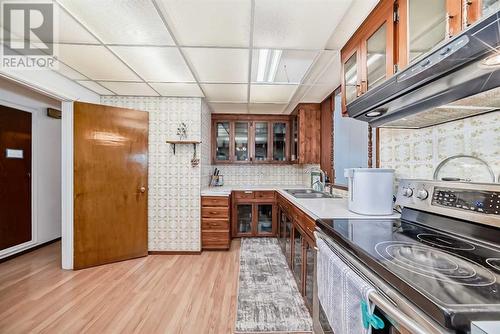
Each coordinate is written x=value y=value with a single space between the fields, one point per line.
x=458 y=79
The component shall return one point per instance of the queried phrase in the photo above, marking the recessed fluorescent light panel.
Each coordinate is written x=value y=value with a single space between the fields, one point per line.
x=268 y=64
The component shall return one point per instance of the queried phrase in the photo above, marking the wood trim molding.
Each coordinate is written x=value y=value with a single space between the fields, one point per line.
x=174 y=252
x=249 y=117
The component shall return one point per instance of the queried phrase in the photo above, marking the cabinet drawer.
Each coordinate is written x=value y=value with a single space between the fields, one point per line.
x=264 y=194
x=215 y=212
x=215 y=240
x=214 y=201
x=214 y=224
x=247 y=194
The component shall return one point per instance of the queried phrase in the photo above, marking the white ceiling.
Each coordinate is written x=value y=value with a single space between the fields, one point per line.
x=209 y=48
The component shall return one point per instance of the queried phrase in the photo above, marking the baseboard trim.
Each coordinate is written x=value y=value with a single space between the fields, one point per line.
x=29 y=250
x=174 y=252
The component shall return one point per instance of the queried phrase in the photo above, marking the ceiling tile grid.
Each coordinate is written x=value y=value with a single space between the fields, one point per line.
x=243 y=56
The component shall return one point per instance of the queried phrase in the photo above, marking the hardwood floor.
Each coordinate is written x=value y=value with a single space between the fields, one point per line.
x=156 y=294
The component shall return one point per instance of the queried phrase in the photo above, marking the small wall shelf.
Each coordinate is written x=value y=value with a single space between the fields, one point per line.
x=183 y=142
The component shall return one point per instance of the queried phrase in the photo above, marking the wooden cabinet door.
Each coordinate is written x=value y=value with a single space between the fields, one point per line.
x=351 y=75
x=110 y=184
x=477 y=9
x=222 y=141
x=265 y=219
x=297 y=264
x=243 y=219
x=309 y=254
x=423 y=24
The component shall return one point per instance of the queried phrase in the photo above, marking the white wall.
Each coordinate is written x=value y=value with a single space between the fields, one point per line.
x=46 y=160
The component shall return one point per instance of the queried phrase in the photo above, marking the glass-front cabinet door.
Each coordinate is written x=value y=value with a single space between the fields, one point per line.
x=288 y=242
x=279 y=141
x=295 y=139
x=351 y=85
x=244 y=219
x=309 y=258
x=428 y=25
x=297 y=257
x=222 y=141
x=478 y=9
x=264 y=219
x=241 y=136
x=261 y=141
x=376 y=57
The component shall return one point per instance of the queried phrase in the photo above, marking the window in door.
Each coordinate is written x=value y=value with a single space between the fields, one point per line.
x=261 y=140
x=222 y=141
x=427 y=25
x=241 y=141
x=376 y=57
x=279 y=141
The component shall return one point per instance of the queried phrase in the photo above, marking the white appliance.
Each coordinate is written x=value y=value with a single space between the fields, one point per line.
x=370 y=190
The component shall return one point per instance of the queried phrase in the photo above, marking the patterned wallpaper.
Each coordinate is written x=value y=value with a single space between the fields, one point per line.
x=206 y=158
x=174 y=186
x=416 y=153
x=265 y=174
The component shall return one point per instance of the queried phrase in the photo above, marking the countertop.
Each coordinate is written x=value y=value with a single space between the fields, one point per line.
x=316 y=208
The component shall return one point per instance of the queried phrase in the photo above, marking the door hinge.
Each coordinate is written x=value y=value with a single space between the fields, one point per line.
x=396 y=68
x=395 y=14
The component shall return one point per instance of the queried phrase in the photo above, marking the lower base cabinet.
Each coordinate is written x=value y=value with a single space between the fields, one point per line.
x=254 y=214
x=296 y=240
x=215 y=226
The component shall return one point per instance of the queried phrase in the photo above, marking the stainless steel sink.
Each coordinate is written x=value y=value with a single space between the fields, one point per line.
x=309 y=193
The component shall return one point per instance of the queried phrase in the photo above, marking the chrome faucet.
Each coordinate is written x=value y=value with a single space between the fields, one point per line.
x=321 y=181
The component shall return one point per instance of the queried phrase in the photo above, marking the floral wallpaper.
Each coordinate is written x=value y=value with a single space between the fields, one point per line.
x=417 y=153
x=174 y=185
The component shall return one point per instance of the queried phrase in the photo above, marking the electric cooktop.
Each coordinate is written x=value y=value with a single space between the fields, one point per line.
x=448 y=267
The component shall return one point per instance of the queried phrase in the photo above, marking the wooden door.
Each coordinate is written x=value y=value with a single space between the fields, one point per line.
x=15 y=177
x=110 y=184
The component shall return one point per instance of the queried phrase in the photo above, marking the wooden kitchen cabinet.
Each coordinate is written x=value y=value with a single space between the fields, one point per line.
x=298 y=244
x=215 y=224
x=255 y=139
x=254 y=214
x=396 y=33
x=306 y=136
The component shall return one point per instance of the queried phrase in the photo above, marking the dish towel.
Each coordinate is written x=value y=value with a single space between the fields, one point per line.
x=341 y=292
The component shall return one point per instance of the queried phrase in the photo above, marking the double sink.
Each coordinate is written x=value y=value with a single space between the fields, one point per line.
x=309 y=193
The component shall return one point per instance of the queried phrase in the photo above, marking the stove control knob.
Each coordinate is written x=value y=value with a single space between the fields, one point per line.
x=422 y=194
x=407 y=192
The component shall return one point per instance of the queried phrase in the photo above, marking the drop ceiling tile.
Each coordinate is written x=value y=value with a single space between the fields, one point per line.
x=226 y=92
x=266 y=108
x=209 y=22
x=70 y=31
x=325 y=58
x=219 y=65
x=291 y=66
x=121 y=22
x=69 y=72
x=95 y=87
x=271 y=93
x=163 y=64
x=302 y=24
x=177 y=89
x=129 y=88
x=229 y=108
x=317 y=93
x=96 y=62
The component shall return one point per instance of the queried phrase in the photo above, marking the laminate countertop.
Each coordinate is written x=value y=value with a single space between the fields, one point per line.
x=316 y=208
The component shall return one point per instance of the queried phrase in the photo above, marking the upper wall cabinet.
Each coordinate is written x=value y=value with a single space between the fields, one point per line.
x=367 y=58
x=306 y=146
x=244 y=139
x=397 y=32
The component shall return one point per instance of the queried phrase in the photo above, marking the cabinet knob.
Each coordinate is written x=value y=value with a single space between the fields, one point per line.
x=142 y=189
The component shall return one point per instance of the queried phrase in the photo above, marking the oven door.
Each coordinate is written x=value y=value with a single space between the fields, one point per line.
x=399 y=317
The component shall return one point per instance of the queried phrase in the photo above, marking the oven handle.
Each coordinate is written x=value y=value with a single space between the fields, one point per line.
x=377 y=299
x=396 y=314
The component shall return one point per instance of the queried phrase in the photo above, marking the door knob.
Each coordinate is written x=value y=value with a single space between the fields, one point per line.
x=142 y=189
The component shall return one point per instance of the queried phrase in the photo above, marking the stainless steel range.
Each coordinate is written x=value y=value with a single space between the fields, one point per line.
x=438 y=265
